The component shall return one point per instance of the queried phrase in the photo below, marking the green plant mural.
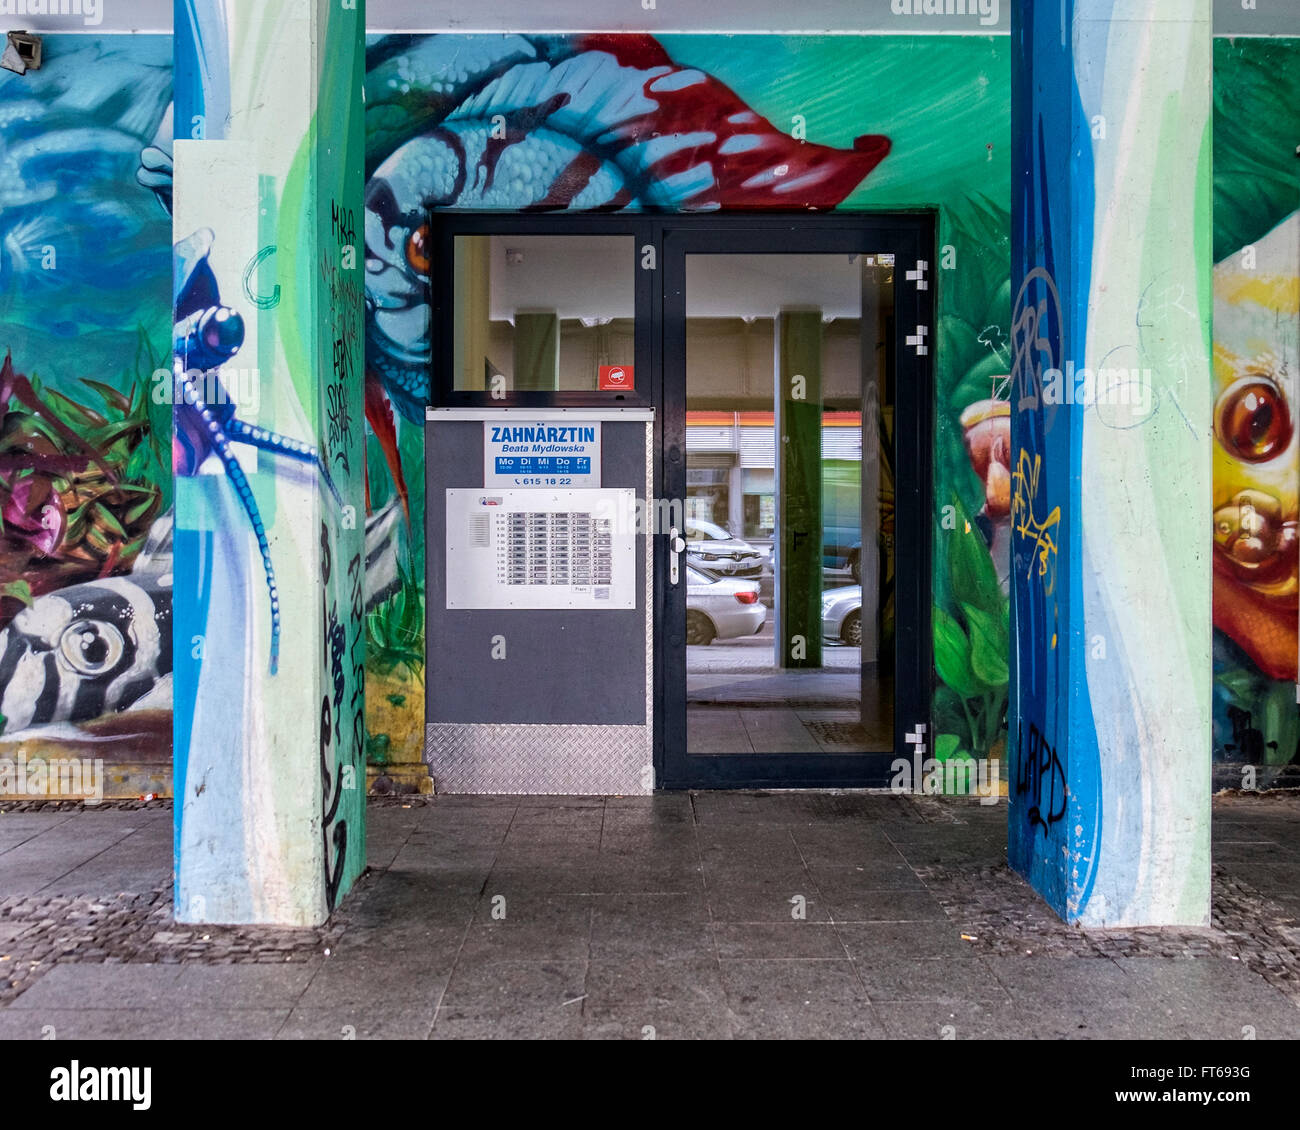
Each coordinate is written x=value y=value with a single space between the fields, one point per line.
x=971 y=644
x=81 y=483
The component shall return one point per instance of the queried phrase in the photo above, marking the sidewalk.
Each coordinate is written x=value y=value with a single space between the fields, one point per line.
x=631 y=918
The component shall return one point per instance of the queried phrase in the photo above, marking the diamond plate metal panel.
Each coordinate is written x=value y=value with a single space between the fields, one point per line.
x=512 y=758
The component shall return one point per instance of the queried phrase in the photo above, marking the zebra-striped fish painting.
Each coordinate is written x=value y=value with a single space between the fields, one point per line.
x=85 y=283
x=92 y=649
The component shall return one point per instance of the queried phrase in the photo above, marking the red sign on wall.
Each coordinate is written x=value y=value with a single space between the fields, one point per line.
x=615 y=378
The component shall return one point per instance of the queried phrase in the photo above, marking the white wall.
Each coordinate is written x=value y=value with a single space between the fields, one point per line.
x=95 y=17
x=676 y=15
x=808 y=16
x=811 y=16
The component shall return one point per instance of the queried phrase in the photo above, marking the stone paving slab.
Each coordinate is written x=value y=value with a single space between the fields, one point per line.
x=710 y=915
x=967 y=1020
x=366 y=1020
x=799 y=1000
x=677 y=999
x=143 y=1024
x=544 y=1000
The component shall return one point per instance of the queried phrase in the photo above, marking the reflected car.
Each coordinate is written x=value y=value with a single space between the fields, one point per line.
x=711 y=547
x=721 y=608
x=842 y=549
x=842 y=614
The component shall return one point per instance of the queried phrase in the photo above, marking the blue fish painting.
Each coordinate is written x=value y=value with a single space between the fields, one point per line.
x=84 y=252
x=581 y=123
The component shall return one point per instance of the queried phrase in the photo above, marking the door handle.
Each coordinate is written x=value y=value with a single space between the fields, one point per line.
x=676 y=547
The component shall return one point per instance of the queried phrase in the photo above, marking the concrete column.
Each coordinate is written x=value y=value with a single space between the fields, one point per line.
x=473 y=315
x=799 y=488
x=269 y=632
x=537 y=351
x=1109 y=743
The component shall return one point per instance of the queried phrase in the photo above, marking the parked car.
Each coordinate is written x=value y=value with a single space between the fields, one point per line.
x=721 y=608
x=842 y=516
x=711 y=547
x=837 y=556
x=842 y=614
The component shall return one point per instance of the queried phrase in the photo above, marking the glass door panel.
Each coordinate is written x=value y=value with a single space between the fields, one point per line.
x=787 y=505
x=780 y=397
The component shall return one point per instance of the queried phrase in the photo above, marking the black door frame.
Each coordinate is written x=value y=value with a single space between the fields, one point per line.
x=909 y=237
x=660 y=336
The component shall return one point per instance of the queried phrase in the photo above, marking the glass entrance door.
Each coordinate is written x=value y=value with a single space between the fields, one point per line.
x=794 y=608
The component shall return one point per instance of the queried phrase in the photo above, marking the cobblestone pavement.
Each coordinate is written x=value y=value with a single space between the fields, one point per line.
x=677 y=913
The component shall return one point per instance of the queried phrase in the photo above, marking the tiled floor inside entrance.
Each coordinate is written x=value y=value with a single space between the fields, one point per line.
x=740 y=730
x=720 y=915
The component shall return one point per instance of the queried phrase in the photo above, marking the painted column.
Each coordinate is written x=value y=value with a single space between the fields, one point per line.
x=269 y=555
x=799 y=487
x=537 y=351
x=1109 y=722
x=473 y=314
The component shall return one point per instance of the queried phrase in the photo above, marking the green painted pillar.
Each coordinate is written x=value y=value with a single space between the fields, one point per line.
x=269 y=557
x=799 y=488
x=537 y=351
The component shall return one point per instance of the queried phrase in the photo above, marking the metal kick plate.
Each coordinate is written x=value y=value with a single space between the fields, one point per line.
x=503 y=758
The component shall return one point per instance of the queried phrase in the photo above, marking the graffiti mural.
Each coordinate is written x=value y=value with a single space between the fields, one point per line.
x=85 y=487
x=1256 y=450
x=1110 y=343
x=267 y=457
x=687 y=123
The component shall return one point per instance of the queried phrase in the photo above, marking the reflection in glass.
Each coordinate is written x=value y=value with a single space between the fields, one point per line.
x=543 y=313
x=789 y=506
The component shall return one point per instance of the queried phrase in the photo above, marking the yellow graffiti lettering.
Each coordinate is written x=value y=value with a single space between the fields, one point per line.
x=1025 y=481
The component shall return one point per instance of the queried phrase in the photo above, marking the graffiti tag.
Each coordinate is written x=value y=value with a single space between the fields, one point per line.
x=1039 y=773
x=1035 y=336
x=1025 y=484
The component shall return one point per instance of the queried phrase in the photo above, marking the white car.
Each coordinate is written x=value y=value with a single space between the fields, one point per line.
x=713 y=548
x=842 y=614
x=721 y=608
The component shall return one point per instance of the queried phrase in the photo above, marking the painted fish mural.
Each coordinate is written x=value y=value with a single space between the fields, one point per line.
x=85 y=562
x=92 y=649
x=1256 y=456
x=1257 y=449
x=593 y=123
x=81 y=268
x=384 y=553
x=986 y=432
